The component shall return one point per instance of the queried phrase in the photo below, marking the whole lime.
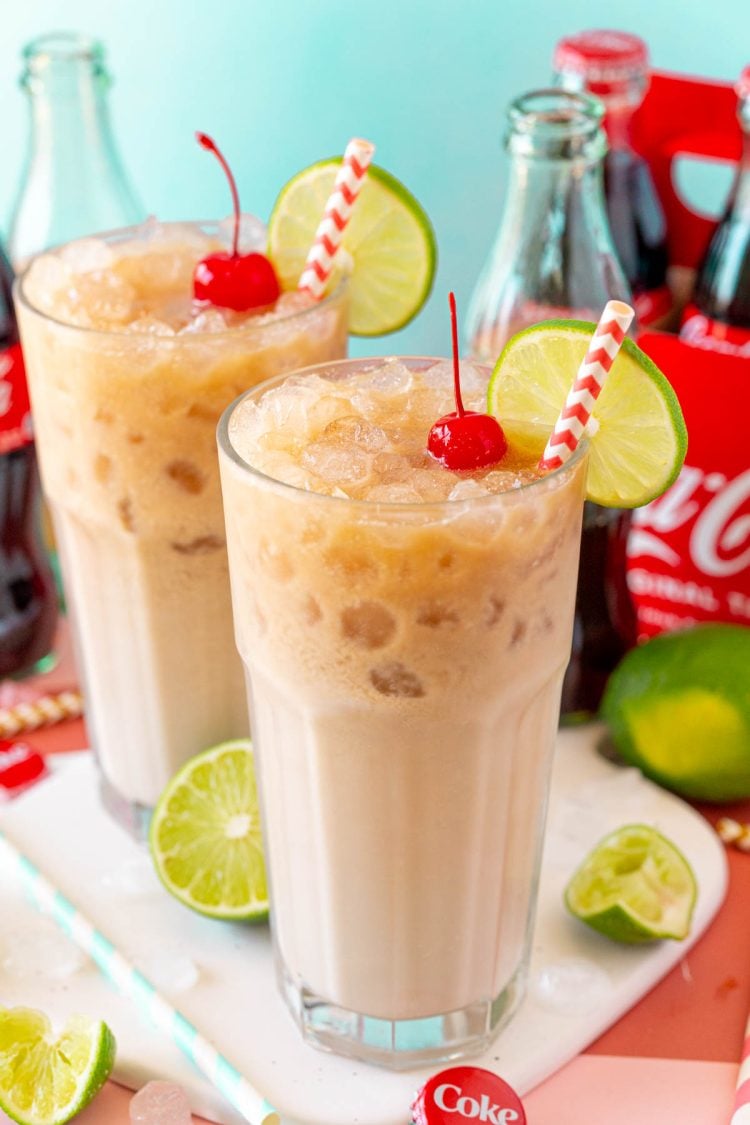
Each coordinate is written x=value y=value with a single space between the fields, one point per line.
x=678 y=707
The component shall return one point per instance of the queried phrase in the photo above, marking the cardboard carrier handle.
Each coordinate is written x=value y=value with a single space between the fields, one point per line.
x=685 y=117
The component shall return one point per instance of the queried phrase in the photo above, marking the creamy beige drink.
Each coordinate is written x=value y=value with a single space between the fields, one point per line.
x=405 y=630
x=128 y=378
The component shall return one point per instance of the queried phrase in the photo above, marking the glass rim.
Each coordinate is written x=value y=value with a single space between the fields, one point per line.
x=576 y=108
x=248 y=328
x=62 y=46
x=417 y=362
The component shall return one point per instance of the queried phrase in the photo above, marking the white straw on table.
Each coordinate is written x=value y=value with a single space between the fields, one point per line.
x=133 y=984
x=741 y=1106
x=600 y=355
x=41 y=712
x=338 y=209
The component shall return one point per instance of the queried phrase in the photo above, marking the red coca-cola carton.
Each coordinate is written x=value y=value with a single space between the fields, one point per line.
x=689 y=551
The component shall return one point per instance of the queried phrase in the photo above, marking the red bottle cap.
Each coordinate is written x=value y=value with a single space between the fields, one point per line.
x=743 y=84
x=20 y=765
x=470 y=1094
x=604 y=58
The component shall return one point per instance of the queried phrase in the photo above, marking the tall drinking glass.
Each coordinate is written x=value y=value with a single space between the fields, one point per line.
x=128 y=379
x=405 y=631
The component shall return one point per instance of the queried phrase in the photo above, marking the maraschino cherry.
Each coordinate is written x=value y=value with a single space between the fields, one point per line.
x=465 y=439
x=233 y=280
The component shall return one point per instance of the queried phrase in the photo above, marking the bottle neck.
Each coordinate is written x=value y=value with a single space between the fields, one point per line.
x=73 y=182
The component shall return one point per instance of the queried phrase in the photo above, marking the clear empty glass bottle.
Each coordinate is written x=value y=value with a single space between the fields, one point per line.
x=553 y=255
x=73 y=182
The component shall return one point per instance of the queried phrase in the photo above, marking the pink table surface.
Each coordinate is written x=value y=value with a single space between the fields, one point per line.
x=672 y=1059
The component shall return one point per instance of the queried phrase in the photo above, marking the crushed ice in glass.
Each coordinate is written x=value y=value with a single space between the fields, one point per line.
x=364 y=436
x=160 y=1103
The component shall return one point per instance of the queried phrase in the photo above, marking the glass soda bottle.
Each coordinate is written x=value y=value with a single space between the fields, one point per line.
x=554 y=257
x=73 y=182
x=614 y=66
x=718 y=318
x=28 y=603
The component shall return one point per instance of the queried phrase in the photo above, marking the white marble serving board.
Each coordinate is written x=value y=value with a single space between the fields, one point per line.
x=62 y=827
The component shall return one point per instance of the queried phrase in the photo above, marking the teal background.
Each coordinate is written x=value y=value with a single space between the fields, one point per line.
x=282 y=83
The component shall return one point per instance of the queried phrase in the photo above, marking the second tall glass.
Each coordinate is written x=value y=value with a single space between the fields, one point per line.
x=128 y=381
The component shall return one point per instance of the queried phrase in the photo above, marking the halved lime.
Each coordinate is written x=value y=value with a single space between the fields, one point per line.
x=205 y=835
x=678 y=707
x=639 y=445
x=635 y=886
x=47 y=1079
x=389 y=240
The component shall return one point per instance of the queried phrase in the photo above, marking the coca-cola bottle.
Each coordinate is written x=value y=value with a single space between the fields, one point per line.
x=718 y=318
x=28 y=605
x=73 y=182
x=614 y=65
x=554 y=257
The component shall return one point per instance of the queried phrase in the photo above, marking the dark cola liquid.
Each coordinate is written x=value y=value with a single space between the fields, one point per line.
x=722 y=290
x=28 y=601
x=28 y=612
x=638 y=225
x=605 y=621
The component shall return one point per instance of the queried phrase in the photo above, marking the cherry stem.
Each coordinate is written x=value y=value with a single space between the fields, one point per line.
x=208 y=143
x=454 y=334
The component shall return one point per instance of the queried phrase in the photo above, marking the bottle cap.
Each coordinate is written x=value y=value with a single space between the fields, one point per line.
x=602 y=58
x=20 y=765
x=467 y=1093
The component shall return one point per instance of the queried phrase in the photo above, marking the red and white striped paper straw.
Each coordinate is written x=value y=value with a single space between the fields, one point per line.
x=741 y=1107
x=600 y=355
x=338 y=210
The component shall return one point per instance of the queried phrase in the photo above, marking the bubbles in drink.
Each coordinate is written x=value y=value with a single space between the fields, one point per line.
x=186 y=476
x=395 y=680
x=368 y=624
x=160 y=1103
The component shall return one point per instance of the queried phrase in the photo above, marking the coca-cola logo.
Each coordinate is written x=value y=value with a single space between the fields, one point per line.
x=452 y=1099
x=467 y=1093
x=703 y=332
x=711 y=510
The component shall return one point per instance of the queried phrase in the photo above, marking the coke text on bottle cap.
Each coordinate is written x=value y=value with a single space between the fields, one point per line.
x=20 y=765
x=467 y=1094
x=603 y=57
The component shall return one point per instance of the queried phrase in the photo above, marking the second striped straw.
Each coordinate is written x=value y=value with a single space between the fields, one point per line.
x=351 y=175
x=575 y=416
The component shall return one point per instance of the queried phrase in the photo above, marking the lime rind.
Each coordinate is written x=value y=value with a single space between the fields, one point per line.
x=634 y=887
x=205 y=835
x=678 y=708
x=47 y=1080
x=389 y=241
x=640 y=444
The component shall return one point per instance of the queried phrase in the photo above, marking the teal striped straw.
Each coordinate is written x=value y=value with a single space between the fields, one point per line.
x=134 y=985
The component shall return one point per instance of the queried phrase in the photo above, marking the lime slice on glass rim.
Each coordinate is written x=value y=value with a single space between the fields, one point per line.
x=635 y=886
x=47 y=1079
x=205 y=835
x=639 y=439
x=389 y=241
